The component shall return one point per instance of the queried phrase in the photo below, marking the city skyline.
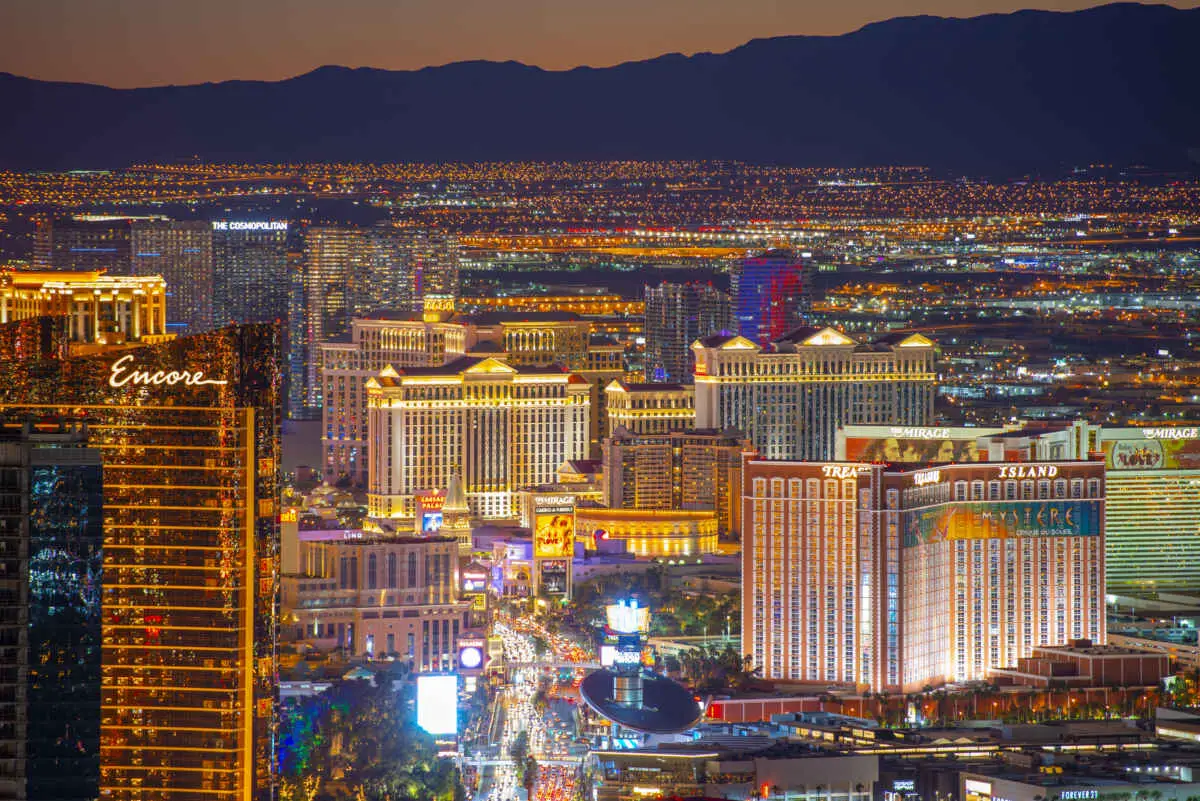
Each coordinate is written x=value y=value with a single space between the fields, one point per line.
x=142 y=45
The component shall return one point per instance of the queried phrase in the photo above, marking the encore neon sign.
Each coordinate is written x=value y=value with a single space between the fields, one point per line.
x=123 y=374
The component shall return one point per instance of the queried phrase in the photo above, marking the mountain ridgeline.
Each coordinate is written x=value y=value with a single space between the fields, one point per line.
x=1023 y=91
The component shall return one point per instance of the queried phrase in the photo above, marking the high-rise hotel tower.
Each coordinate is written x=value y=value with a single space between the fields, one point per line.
x=893 y=578
x=502 y=428
x=790 y=397
x=188 y=433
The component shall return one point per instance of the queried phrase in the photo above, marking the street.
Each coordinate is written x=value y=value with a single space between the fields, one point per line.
x=527 y=729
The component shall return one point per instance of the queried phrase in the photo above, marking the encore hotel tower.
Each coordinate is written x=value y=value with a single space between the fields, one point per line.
x=188 y=433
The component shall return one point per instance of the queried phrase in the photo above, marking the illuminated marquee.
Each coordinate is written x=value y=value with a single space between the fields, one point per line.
x=122 y=374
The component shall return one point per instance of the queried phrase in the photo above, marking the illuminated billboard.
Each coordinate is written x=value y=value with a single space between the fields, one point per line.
x=474 y=582
x=554 y=576
x=429 y=510
x=437 y=704
x=471 y=655
x=1003 y=520
x=902 y=450
x=608 y=655
x=1152 y=453
x=627 y=617
x=554 y=534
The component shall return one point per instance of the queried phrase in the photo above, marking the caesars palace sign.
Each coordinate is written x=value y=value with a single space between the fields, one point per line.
x=123 y=373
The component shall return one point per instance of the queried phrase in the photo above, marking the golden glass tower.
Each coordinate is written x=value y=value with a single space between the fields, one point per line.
x=189 y=436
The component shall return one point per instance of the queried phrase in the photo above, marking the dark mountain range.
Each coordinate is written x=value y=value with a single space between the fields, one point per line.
x=1029 y=90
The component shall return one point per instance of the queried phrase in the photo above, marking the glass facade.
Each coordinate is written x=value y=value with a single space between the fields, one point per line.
x=65 y=585
x=189 y=436
x=50 y=495
x=771 y=295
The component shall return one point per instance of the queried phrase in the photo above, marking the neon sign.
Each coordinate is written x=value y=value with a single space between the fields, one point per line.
x=927 y=477
x=920 y=433
x=1171 y=433
x=1029 y=471
x=122 y=374
x=249 y=225
x=843 y=471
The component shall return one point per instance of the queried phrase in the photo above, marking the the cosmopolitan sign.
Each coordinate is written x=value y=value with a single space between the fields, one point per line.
x=123 y=373
x=249 y=225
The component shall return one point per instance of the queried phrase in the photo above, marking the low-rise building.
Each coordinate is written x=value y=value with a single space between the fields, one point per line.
x=1079 y=783
x=718 y=770
x=1080 y=663
x=379 y=596
x=668 y=533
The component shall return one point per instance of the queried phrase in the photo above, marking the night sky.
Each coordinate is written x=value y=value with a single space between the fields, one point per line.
x=151 y=42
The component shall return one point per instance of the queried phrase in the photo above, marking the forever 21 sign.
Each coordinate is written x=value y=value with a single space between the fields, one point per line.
x=123 y=373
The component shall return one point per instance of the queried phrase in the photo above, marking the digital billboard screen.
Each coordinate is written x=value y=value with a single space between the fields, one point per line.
x=554 y=535
x=437 y=704
x=474 y=582
x=554 y=576
x=431 y=521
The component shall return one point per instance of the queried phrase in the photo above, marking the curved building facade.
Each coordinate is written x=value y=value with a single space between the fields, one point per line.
x=651 y=533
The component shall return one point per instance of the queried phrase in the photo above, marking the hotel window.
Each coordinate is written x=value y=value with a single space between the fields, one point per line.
x=960 y=490
x=1093 y=488
x=1010 y=490
x=372 y=564
x=977 y=490
x=1027 y=490
x=1060 y=488
x=1077 y=488
x=993 y=490
x=1043 y=488
x=893 y=499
